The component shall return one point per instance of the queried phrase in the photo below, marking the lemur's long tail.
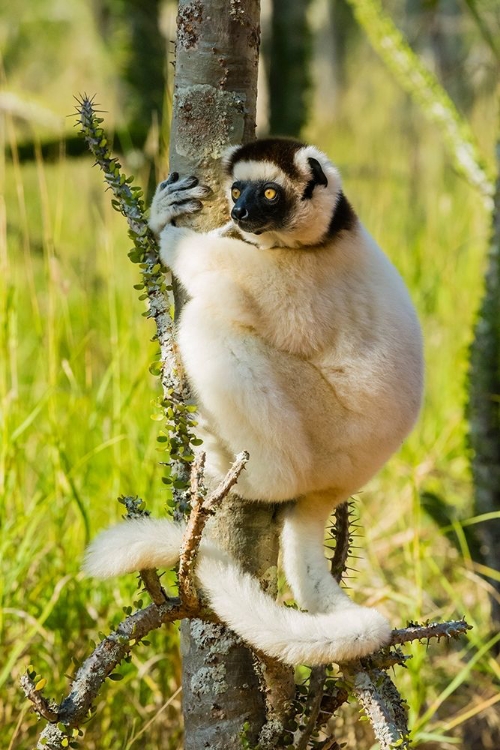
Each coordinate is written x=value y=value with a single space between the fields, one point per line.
x=295 y=637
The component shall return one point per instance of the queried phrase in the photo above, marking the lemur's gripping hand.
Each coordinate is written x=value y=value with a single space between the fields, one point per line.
x=175 y=197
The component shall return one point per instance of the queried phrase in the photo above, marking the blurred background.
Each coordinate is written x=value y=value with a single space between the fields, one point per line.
x=404 y=98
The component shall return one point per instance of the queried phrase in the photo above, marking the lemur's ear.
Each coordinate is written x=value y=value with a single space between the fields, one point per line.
x=319 y=176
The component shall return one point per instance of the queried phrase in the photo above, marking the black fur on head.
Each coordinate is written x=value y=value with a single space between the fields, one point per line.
x=279 y=151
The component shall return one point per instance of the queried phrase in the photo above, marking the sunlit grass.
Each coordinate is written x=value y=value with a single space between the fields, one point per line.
x=76 y=430
x=76 y=433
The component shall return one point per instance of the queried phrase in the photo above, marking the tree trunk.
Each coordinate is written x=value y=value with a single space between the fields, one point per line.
x=215 y=89
x=484 y=403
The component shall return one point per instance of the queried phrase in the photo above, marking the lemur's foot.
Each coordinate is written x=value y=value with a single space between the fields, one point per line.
x=175 y=197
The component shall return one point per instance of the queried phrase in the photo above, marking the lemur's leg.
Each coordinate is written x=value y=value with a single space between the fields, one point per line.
x=242 y=391
x=303 y=556
x=279 y=407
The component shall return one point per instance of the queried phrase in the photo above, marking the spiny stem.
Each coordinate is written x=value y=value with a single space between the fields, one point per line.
x=341 y=532
x=177 y=435
x=416 y=632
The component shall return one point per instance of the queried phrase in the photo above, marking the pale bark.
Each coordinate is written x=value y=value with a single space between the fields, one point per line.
x=215 y=91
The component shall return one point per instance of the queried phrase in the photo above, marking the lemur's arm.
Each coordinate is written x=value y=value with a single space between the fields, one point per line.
x=180 y=247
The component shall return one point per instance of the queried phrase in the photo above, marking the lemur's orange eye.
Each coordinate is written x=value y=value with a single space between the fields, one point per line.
x=270 y=194
x=235 y=193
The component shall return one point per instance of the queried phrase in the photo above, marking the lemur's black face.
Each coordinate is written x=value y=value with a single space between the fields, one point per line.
x=260 y=206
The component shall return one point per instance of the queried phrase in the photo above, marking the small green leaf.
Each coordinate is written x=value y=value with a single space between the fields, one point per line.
x=155 y=368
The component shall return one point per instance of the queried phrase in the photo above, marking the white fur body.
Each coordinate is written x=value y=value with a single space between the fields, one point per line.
x=307 y=353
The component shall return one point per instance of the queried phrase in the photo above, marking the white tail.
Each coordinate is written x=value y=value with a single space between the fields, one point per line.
x=295 y=637
x=134 y=545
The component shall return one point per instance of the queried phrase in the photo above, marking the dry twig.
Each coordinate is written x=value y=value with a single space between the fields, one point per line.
x=45 y=708
x=202 y=508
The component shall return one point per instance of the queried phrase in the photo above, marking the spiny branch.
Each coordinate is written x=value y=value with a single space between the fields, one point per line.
x=136 y=508
x=342 y=533
x=323 y=699
x=415 y=632
x=375 y=690
x=76 y=707
x=178 y=436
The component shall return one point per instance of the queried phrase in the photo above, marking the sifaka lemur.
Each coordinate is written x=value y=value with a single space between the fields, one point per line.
x=303 y=348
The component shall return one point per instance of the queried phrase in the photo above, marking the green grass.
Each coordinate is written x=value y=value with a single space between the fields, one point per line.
x=76 y=431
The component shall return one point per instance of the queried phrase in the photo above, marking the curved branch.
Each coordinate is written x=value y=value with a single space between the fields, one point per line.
x=75 y=708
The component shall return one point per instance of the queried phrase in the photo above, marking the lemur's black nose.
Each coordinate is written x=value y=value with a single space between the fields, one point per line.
x=239 y=212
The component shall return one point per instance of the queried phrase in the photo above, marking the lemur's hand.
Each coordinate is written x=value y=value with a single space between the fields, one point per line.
x=175 y=197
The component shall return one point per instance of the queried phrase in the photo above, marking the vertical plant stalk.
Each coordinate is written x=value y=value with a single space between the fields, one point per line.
x=176 y=395
x=418 y=81
x=484 y=401
x=341 y=532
